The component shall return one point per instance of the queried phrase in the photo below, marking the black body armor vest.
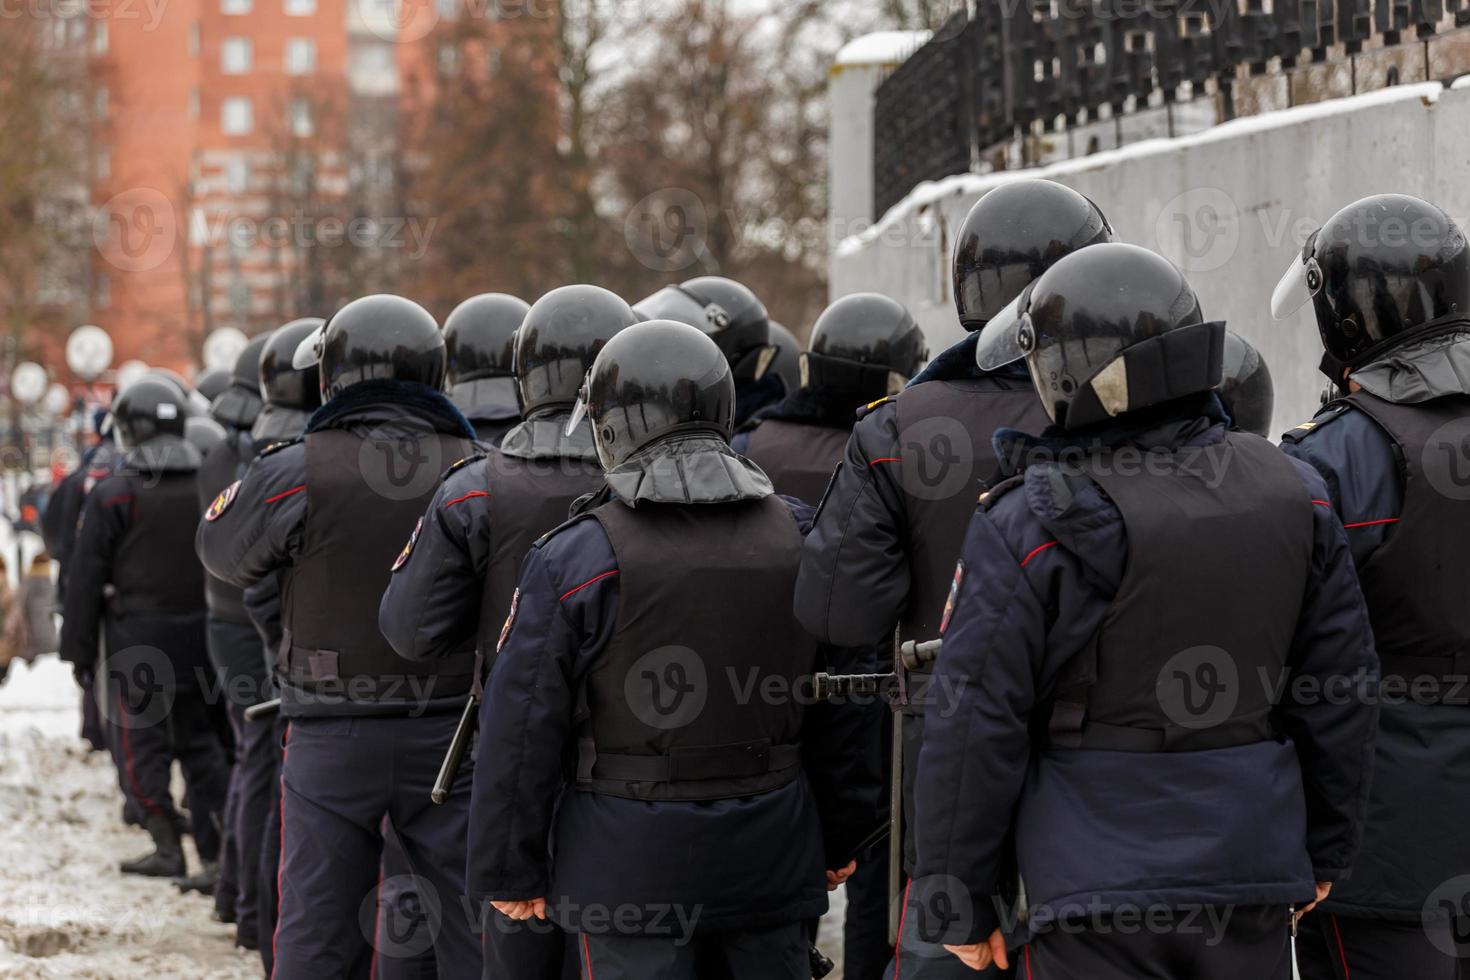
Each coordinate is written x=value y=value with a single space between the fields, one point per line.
x=1192 y=650
x=330 y=596
x=798 y=458
x=220 y=468
x=674 y=707
x=946 y=459
x=1415 y=582
x=156 y=569
x=528 y=497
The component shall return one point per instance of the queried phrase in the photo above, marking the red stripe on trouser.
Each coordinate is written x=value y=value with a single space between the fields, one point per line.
x=587 y=956
x=1027 y=952
x=377 y=923
x=122 y=723
x=1341 y=952
x=903 y=914
x=280 y=861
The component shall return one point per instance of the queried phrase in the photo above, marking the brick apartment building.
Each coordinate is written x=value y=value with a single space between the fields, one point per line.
x=245 y=157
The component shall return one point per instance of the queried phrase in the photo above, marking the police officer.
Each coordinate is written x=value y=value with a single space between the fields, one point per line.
x=1124 y=619
x=883 y=549
x=737 y=320
x=478 y=335
x=234 y=649
x=1388 y=279
x=135 y=581
x=367 y=728
x=455 y=584
x=864 y=347
x=212 y=383
x=701 y=826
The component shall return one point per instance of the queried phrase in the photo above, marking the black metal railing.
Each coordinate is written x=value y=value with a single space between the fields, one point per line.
x=1014 y=66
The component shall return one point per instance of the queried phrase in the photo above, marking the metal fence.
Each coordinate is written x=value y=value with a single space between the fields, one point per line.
x=1013 y=66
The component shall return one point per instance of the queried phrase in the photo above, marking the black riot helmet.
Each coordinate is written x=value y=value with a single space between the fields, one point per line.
x=212 y=383
x=724 y=309
x=786 y=365
x=281 y=383
x=558 y=341
x=1011 y=236
x=1245 y=386
x=1108 y=330
x=480 y=338
x=654 y=380
x=240 y=403
x=149 y=422
x=866 y=344
x=1381 y=269
x=382 y=337
x=193 y=400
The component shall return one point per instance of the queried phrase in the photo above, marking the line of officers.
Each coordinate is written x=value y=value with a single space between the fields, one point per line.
x=1196 y=695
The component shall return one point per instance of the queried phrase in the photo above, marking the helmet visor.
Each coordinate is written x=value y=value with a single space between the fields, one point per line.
x=1299 y=283
x=579 y=410
x=672 y=303
x=1000 y=339
x=309 y=351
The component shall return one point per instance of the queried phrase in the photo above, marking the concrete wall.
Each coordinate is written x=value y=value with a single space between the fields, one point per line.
x=1230 y=206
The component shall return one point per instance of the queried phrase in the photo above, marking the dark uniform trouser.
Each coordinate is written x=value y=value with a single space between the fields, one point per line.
x=235 y=651
x=924 y=958
x=1335 y=947
x=536 y=949
x=268 y=874
x=149 y=734
x=775 y=954
x=339 y=777
x=1254 y=943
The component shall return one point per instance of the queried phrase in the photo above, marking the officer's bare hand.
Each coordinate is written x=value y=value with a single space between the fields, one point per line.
x=520 y=911
x=1324 y=888
x=835 y=878
x=981 y=955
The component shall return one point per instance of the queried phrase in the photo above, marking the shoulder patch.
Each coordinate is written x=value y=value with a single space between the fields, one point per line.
x=471 y=458
x=1299 y=432
x=222 y=502
x=872 y=406
x=407 y=552
x=276 y=447
x=990 y=497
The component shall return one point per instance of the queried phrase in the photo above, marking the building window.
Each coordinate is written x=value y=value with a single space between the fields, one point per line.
x=300 y=56
x=99 y=103
x=234 y=7
x=194 y=102
x=99 y=37
x=104 y=165
x=299 y=116
x=300 y=8
x=448 y=59
x=237 y=175
x=447 y=9
x=237 y=116
x=102 y=292
x=235 y=56
x=373 y=59
x=194 y=40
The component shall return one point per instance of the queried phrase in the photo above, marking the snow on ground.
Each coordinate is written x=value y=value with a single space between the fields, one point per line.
x=65 y=911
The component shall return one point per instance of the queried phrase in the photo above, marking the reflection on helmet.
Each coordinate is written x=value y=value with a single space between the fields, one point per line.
x=724 y=309
x=149 y=411
x=654 y=380
x=479 y=336
x=1013 y=234
x=280 y=382
x=866 y=344
x=380 y=338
